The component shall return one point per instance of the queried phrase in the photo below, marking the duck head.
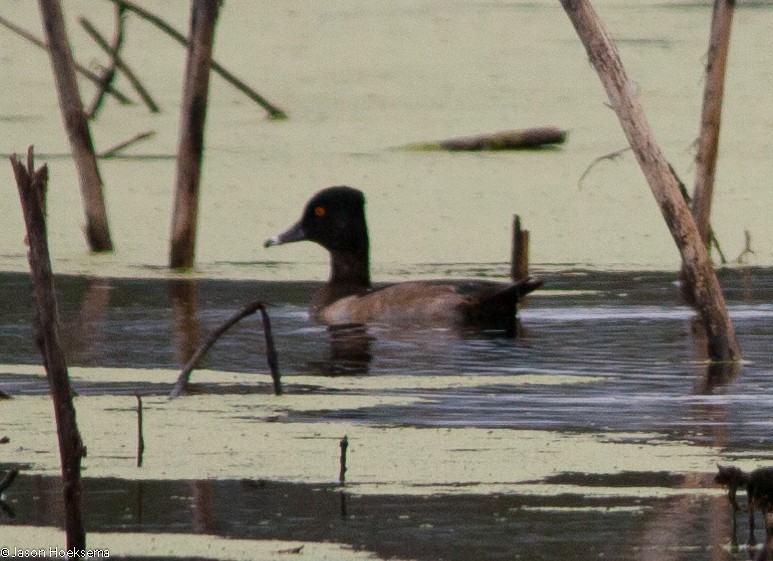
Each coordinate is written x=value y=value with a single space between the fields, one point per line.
x=335 y=219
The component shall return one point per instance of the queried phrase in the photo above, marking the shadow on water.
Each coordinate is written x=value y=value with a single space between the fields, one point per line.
x=453 y=527
x=628 y=331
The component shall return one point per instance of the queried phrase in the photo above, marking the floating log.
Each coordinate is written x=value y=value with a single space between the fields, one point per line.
x=77 y=127
x=709 y=300
x=32 y=184
x=522 y=139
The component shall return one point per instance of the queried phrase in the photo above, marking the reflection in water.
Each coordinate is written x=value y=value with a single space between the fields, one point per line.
x=350 y=350
x=188 y=331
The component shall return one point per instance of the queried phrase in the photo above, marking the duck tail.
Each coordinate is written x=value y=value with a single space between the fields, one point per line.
x=498 y=310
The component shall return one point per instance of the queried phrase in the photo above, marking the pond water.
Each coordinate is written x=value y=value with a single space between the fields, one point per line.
x=593 y=434
x=624 y=337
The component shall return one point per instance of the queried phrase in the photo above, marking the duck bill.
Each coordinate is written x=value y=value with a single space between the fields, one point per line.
x=294 y=234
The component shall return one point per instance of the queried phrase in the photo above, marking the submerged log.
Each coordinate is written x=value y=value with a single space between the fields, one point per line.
x=708 y=297
x=521 y=139
x=32 y=187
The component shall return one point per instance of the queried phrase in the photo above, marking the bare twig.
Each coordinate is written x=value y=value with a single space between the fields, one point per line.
x=611 y=156
x=113 y=151
x=108 y=74
x=82 y=70
x=747 y=247
x=342 y=472
x=140 y=434
x=271 y=354
x=120 y=64
x=273 y=111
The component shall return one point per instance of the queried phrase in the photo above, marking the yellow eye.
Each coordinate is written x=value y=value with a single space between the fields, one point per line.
x=320 y=211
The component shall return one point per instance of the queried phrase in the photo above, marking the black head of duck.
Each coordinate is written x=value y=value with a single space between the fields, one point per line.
x=335 y=219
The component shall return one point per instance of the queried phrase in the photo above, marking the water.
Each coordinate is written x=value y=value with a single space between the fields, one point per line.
x=607 y=357
x=626 y=330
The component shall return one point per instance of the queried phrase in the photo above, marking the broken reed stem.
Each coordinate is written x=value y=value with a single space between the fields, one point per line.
x=31 y=184
x=120 y=64
x=271 y=354
x=113 y=151
x=344 y=444
x=82 y=70
x=140 y=433
x=273 y=111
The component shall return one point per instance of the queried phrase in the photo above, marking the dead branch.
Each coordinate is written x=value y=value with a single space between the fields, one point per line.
x=611 y=156
x=273 y=111
x=708 y=297
x=77 y=127
x=114 y=151
x=190 y=149
x=31 y=184
x=711 y=115
x=108 y=74
x=140 y=434
x=82 y=70
x=198 y=356
x=120 y=64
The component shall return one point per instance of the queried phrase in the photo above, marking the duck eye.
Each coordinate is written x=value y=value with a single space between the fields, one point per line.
x=320 y=211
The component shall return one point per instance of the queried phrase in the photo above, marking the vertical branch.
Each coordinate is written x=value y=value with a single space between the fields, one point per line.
x=708 y=297
x=711 y=115
x=32 y=186
x=78 y=133
x=191 y=144
x=519 y=262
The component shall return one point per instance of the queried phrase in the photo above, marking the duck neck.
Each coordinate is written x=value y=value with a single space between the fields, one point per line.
x=350 y=268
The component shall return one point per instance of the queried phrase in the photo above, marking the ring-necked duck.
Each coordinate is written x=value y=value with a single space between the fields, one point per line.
x=335 y=219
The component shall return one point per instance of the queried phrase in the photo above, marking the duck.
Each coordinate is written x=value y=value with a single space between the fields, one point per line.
x=335 y=219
